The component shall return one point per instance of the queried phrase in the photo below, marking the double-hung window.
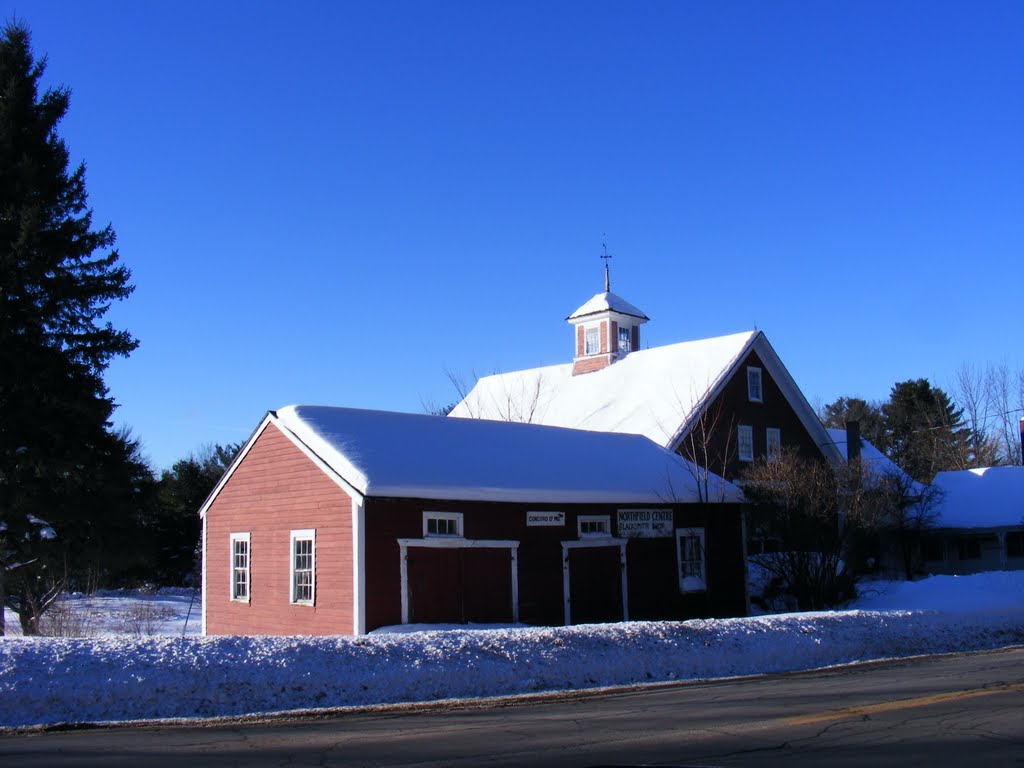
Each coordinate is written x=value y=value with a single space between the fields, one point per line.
x=303 y=567
x=754 y=391
x=690 y=546
x=240 y=567
x=745 y=443
x=625 y=339
x=592 y=344
x=773 y=440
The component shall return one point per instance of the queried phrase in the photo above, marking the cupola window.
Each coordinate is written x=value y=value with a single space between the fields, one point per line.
x=625 y=339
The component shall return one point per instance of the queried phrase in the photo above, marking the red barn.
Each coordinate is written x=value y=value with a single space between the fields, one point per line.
x=339 y=521
x=723 y=402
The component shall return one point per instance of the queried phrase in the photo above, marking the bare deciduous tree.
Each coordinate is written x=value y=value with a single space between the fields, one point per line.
x=709 y=446
x=816 y=513
x=905 y=510
x=518 y=400
x=993 y=403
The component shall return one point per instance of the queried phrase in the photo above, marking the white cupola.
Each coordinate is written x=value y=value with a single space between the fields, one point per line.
x=607 y=329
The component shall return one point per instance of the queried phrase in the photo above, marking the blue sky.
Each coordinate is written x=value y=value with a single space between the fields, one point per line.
x=337 y=203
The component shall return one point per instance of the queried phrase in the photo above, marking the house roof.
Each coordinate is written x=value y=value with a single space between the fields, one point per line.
x=604 y=302
x=877 y=463
x=657 y=392
x=991 y=497
x=383 y=453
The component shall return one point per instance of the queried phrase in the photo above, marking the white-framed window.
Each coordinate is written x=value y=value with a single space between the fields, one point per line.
x=754 y=391
x=303 y=567
x=442 y=524
x=625 y=339
x=773 y=442
x=594 y=525
x=745 y=442
x=690 y=547
x=591 y=341
x=240 y=567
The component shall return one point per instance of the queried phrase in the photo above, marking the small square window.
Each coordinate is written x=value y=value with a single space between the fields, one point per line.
x=754 y=392
x=594 y=525
x=442 y=524
x=745 y=443
x=773 y=439
x=593 y=344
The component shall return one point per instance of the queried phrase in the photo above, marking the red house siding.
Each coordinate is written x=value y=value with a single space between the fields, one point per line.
x=274 y=490
x=652 y=564
x=733 y=408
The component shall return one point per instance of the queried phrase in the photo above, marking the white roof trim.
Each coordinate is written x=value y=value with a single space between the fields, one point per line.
x=780 y=375
x=355 y=488
x=607 y=302
x=712 y=392
x=271 y=418
x=795 y=397
x=233 y=466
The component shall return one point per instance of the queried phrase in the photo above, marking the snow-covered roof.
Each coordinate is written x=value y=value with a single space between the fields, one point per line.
x=656 y=392
x=877 y=463
x=991 y=497
x=383 y=453
x=604 y=302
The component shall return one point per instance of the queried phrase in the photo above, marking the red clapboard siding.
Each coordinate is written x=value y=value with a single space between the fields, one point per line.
x=276 y=489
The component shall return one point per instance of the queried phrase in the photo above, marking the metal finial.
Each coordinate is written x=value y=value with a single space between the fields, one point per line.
x=606 y=256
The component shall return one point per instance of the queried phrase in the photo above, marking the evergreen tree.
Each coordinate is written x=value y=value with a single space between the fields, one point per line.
x=183 y=489
x=924 y=431
x=867 y=415
x=58 y=277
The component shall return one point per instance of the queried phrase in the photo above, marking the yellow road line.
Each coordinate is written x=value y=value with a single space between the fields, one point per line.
x=890 y=706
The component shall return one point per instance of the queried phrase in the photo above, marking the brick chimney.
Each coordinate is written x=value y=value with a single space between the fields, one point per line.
x=852 y=441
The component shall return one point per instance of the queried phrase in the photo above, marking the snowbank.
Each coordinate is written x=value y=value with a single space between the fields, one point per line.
x=52 y=680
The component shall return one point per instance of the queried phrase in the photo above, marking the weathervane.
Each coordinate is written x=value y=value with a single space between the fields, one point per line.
x=606 y=256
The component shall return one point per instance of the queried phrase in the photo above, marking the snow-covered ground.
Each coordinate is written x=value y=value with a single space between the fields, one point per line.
x=116 y=677
x=106 y=613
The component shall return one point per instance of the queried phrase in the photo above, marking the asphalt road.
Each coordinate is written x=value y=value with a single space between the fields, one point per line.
x=965 y=709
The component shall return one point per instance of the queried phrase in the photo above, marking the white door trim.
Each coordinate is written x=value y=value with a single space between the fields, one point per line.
x=594 y=542
x=403 y=549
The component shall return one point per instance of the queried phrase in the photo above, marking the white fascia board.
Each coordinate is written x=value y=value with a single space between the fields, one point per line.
x=204 y=587
x=322 y=464
x=526 y=495
x=702 y=404
x=780 y=375
x=601 y=314
x=358 y=565
x=234 y=465
x=796 y=399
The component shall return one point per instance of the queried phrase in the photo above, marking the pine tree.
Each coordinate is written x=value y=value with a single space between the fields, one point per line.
x=58 y=277
x=925 y=433
x=182 y=490
x=836 y=414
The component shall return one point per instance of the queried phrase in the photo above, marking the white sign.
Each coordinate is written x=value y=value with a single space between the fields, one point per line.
x=545 y=518
x=645 y=523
